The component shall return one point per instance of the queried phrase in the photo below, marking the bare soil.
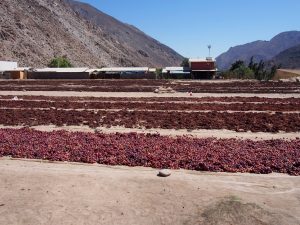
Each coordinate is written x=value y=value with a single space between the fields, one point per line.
x=36 y=192
x=143 y=94
x=170 y=132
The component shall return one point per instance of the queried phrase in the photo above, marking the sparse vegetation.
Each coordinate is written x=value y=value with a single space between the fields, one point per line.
x=60 y=62
x=158 y=73
x=253 y=70
x=185 y=62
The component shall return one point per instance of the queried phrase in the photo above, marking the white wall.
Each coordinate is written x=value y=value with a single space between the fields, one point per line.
x=5 y=65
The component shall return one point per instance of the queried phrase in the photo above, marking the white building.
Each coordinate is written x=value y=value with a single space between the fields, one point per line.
x=60 y=73
x=6 y=65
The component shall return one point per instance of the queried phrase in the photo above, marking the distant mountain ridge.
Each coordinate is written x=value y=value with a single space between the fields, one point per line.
x=288 y=59
x=32 y=32
x=260 y=50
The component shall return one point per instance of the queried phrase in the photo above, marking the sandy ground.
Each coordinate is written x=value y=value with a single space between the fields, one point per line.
x=140 y=94
x=156 y=110
x=33 y=192
x=170 y=132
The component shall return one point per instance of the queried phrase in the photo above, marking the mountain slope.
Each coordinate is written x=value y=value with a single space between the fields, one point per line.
x=288 y=59
x=261 y=50
x=34 y=31
x=137 y=42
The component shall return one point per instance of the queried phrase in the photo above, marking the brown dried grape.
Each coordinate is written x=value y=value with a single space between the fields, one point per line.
x=153 y=150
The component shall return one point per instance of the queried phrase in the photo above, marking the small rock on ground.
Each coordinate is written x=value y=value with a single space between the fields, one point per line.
x=164 y=173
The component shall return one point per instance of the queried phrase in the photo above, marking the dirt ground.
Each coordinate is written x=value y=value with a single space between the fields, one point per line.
x=170 y=132
x=141 y=94
x=33 y=192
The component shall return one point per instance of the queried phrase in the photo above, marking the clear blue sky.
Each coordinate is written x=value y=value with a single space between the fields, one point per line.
x=188 y=26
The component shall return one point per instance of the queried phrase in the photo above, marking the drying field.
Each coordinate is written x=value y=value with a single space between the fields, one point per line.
x=239 y=114
x=151 y=85
x=273 y=116
x=234 y=127
x=153 y=150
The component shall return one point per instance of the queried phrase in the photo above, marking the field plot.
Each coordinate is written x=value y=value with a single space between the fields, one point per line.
x=241 y=122
x=151 y=85
x=237 y=114
x=107 y=139
x=154 y=151
x=141 y=104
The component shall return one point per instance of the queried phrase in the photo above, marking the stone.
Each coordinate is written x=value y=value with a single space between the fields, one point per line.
x=164 y=173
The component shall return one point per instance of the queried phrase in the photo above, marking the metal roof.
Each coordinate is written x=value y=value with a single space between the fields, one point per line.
x=63 y=70
x=124 y=69
x=180 y=72
x=20 y=69
x=152 y=69
x=205 y=70
x=92 y=70
x=202 y=60
x=175 y=68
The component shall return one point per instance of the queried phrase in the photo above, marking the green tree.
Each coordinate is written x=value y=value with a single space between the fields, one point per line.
x=243 y=72
x=158 y=73
x=60 y=62
x=185 y=63
x=270 y=74
x=258 y=71
x=236 y=65
x=252 y=65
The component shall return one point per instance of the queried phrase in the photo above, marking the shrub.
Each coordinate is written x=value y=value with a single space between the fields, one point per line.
x=60 y=62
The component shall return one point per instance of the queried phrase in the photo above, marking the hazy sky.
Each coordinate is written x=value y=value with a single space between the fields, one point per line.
x=188 y=26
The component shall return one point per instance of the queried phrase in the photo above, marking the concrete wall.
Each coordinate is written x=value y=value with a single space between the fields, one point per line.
x=19 y=75
x=203 y=65
x=55 y=75
x=125 y=76
x=4 y=75
x=203 y=75
x=138 y=76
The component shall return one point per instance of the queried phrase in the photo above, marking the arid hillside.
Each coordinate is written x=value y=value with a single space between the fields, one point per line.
x=260 y=50
x=289 y=58
x=34 y=31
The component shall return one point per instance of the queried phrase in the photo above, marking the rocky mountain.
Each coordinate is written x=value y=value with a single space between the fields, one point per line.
x=32 y=32
x=288 y=59
x=260 y=50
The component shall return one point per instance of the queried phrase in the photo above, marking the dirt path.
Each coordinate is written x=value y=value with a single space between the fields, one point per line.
x=140 y=94
x=153 y=110
x=50 y=193
x=171 y=132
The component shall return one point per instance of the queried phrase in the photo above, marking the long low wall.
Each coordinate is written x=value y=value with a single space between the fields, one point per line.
x=54 y=75
x=124 y=76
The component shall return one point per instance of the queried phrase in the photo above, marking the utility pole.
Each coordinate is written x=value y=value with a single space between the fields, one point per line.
x=209 y=48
